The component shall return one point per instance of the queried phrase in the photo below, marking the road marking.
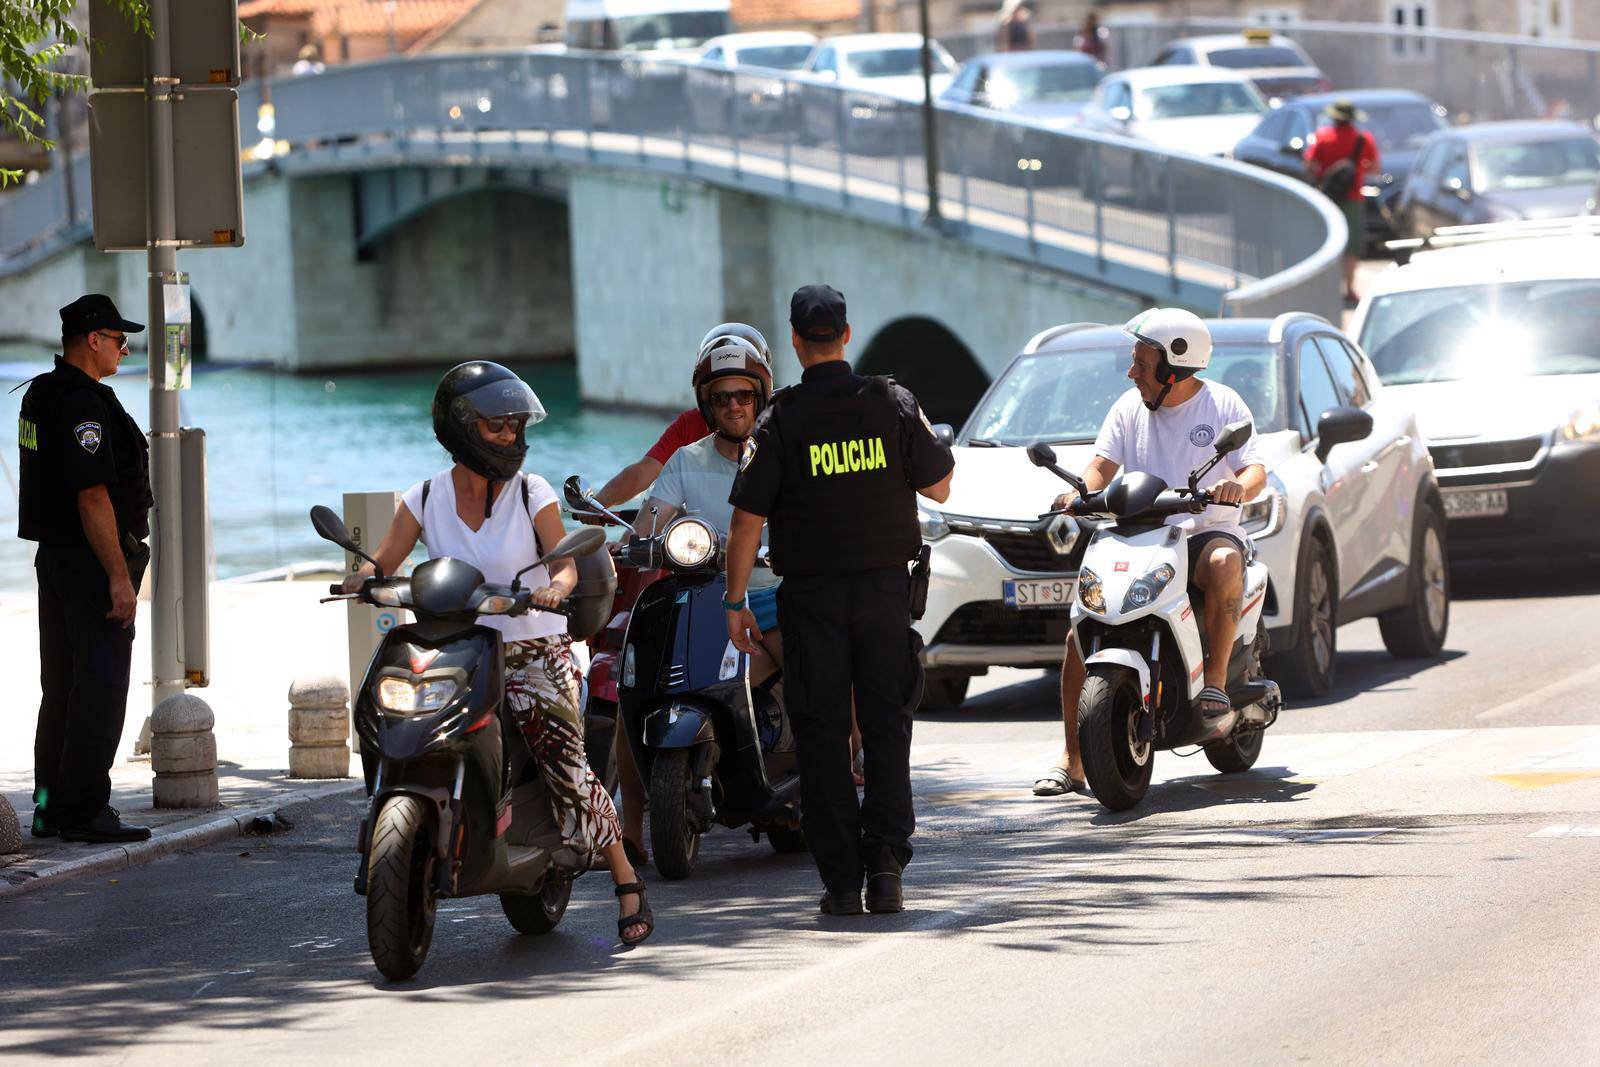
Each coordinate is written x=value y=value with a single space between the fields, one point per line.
x=1541 y=779
x=1565 y=830
x=1581 y=680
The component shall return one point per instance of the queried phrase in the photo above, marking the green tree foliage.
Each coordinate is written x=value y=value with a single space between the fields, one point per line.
x=35 y=37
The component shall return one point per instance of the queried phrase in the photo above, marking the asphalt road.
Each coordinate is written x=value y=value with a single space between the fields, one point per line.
x=1407 y=877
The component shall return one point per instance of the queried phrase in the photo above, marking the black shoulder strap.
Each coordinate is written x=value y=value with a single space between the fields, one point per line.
x=522 y=482
x=1355 y=153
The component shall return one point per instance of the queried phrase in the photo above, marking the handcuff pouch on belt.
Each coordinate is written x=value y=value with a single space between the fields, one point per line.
x=920 y=569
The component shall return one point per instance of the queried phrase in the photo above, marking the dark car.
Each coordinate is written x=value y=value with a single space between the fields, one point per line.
x=1050 y=88
x=1400 y=120
x=1499 y=172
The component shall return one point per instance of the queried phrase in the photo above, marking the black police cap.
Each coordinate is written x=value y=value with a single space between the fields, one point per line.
x=817 y=312
x=94 y=312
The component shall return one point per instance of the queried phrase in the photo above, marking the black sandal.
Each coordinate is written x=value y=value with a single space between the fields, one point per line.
x=643 y=917
x=1213 y=702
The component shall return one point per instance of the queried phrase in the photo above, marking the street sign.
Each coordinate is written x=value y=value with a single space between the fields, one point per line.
x=205 y=44
x=208 y=189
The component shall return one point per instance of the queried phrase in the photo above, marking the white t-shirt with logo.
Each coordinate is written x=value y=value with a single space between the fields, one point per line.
x=1172 y=441
x=698 y=480
x=502 y=546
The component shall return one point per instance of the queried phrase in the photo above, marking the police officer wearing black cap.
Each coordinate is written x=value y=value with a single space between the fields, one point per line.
x=85 y=498
x=833 y=468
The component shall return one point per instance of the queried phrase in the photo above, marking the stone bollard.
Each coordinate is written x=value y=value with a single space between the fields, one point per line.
x=183 y=753
x=10 y=829
x=319 y=724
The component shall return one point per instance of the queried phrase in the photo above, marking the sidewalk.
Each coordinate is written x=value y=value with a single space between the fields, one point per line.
x=263 y=637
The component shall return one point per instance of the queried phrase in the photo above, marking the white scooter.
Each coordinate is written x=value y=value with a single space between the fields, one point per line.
x=1138 y=626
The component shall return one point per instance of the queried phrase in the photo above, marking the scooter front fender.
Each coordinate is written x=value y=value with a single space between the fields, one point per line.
x=1125 y=657
x=680 y=724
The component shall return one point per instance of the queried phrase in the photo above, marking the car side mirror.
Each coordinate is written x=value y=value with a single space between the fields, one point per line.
x=1341 y=425
x=1458 y=189
x=1121 y=114
x=1294 y=146
x=1235 y=434
x=944 y=433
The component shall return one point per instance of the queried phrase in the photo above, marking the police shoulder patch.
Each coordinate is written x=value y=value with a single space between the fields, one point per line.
x=88 y=435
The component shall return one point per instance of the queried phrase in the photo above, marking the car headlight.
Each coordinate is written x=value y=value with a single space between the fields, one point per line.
x=496 y=605
x=1265 y=515
x=1147 y=588
x=1090 y=593
x=689 y=542
x=398 y=694
x=932 y=523
x=1584 y=425
x=387 y=595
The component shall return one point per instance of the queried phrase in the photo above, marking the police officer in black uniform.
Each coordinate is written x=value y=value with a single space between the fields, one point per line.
x=833 y=468
x=85 y=498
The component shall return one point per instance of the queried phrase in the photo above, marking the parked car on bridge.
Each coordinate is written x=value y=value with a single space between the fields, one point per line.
x=1350 y=524
x=1046 y=88
x=666 y=27
x=885 y=70
x=735 y=83
x=1203 y=110
x=1277 y=66
x=1399 y=119
x=1499 y=172
x=1492 y=341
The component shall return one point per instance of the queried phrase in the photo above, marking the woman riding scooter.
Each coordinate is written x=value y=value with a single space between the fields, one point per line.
x=485 y=511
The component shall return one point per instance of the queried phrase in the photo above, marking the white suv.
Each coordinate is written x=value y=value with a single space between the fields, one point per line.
x=1350 y=525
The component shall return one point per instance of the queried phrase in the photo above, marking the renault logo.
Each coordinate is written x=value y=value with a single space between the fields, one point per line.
x=1062 y=533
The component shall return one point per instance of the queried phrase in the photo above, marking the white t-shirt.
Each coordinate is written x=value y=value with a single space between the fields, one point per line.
x=698 y=480
x=1172 y=441
x=502 y=546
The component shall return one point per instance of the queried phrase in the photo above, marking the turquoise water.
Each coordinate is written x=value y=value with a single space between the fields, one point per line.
x=277 y=444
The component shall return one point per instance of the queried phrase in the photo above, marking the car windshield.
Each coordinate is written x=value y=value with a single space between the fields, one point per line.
x=895 y=62
x=1256 y=57
x=1065 y=396
x=1401 y=127
x=1536 y=164
x=1055 y=83
x=1510 y=330
x=1197 y=99
x=678 y=29
x=775 y=56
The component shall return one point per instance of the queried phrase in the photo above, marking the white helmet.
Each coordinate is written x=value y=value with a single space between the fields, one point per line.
x=1180 y=336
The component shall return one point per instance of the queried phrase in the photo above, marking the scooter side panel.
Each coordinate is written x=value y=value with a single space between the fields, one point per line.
x=680 y=724
x=1183 y=623
x=1255 y=597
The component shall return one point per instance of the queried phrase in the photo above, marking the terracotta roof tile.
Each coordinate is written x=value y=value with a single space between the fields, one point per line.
x=254 y=8
x=364 y=18
x=750 y=13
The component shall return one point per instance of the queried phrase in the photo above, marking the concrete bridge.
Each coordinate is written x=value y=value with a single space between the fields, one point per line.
x=528 y=205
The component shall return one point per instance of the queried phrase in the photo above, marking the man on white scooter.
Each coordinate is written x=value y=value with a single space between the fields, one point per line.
x=1165 y=426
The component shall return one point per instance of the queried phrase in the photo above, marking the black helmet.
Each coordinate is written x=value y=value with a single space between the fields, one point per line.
x=483 y=390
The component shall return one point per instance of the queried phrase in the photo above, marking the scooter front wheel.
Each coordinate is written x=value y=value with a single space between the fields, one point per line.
x=541 y=912
x=673 y=837
x=400 y=898
x=1115 y=761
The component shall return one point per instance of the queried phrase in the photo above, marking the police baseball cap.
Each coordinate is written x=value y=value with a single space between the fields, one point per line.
x=94 y=312
x=817 y=313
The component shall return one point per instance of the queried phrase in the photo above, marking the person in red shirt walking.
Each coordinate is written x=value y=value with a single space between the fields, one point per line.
x=1339 y=157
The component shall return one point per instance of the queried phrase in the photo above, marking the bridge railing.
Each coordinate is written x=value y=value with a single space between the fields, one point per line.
x=1206 y=232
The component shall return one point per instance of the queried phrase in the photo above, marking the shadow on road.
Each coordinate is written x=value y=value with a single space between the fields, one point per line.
x=1523 y=579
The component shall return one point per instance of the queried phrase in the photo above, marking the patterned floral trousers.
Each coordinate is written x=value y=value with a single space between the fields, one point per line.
x=543 y=686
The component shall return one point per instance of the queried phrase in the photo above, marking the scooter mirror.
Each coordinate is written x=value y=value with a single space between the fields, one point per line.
x=1041 y=454
x=1234 y=435
x=577 y=543
x=577 y=493
x=330 y=527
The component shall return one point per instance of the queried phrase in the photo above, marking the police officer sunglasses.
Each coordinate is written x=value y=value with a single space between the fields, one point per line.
x=743 y=397
x=121 y=339
x=501 y=423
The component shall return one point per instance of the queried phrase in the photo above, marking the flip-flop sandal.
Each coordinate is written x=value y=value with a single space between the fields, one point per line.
x=1213 y=702
x=1057 y=782
x=643 y=917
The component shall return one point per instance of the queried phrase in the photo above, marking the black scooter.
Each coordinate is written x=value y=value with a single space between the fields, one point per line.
x=710 y=747
x=457 y=806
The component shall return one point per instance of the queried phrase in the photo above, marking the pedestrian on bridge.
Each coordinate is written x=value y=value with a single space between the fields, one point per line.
x=834 y=468
x=85 y=498
x=1339 y=157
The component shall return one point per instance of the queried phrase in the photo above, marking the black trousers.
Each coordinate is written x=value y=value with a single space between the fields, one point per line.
x=84 y=660
x=844 y=632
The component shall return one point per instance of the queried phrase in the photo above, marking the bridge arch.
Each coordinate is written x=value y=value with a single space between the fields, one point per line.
x=927 y=358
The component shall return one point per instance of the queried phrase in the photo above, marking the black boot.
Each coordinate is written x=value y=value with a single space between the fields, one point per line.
x=105 y=828
x=883 y=880
x=841 y=903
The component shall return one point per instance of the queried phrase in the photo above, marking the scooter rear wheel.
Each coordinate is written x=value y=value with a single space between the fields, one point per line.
x=673 y=837
x=541 y=912
x=1117 y=765
x=1237 y=752
x=400 y=898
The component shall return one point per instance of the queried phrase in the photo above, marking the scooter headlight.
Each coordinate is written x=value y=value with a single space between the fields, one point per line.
x=1147 y=588
x=689 y=543
x=496 y=604
x=1090 y=593
x=399 y=694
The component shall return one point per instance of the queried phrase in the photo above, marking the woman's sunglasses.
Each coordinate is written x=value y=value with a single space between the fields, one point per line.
x=743 y=397
x=503 y=423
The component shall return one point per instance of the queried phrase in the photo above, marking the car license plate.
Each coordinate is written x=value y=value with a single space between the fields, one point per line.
x=1474 y=503
x=1037 y=593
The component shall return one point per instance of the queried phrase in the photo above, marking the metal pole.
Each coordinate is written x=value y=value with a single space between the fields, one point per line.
x=166 y=596
x=930 y=128
x=1172 y=223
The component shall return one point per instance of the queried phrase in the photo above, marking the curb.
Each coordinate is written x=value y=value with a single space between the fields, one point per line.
x=122 y=856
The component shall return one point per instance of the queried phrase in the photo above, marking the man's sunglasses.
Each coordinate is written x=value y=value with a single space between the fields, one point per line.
x=121 y=339
x=743 y=397
x=502 y=423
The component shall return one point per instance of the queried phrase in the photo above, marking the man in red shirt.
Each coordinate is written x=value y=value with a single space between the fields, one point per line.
x=1339 y=157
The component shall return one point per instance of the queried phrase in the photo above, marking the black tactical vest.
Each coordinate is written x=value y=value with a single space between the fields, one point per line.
x=847 y=503
x=46 y=511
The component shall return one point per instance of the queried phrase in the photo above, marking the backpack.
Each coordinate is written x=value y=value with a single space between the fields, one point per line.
x=1335 y=182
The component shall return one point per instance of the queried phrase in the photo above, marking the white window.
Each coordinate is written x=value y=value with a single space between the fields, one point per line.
x=1411 y=15
x=1547 y=18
